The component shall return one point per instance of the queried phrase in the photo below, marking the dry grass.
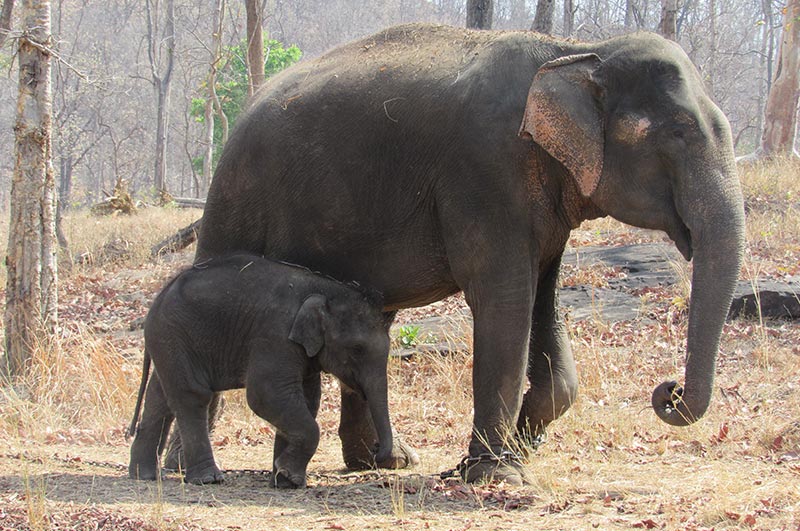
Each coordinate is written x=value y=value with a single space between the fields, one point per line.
x=609 y=463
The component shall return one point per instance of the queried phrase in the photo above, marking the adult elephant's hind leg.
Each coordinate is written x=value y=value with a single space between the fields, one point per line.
x=358 y=434
x=551 y=367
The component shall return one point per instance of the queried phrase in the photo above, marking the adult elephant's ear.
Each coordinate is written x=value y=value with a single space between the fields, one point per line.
x=308 y=328
x=563 y=116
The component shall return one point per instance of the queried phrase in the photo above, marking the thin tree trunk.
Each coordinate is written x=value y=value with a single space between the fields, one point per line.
x=780 y=117
x=569 y=17
x=711 y=68
x=161 y=83
x=543 y=20
x=629 y=14
x=763 y=65
x=668 y=27
x=5 y=20
x=212 y=100
x=479 y=14
x=31 y=295
x=255 y=48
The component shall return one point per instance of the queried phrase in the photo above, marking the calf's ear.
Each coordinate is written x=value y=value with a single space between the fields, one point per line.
x=308 y=329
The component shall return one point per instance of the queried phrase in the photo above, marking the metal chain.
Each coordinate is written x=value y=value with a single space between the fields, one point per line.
x=467 y=462
x=68 y=460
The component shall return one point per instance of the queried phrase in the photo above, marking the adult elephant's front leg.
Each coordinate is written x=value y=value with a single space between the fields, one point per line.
x=551 y=367
x=502 y=317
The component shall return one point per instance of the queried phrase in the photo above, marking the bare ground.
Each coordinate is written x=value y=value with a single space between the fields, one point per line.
x=608 y=463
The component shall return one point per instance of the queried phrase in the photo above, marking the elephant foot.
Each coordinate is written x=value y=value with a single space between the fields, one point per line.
x=174 y=459
x=143 y=472
x=360 y=457
x=208 y=475
x=508 y=468
x=283 y=479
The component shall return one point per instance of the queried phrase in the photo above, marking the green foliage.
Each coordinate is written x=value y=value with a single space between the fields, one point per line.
x=232 y=84
x=408 y=335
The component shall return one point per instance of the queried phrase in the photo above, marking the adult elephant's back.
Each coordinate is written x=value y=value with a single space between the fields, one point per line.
x=344 y=161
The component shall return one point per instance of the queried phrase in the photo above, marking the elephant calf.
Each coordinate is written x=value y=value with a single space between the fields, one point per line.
x=245 y=321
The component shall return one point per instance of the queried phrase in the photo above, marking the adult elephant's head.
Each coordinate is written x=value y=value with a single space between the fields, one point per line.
x=632 y=123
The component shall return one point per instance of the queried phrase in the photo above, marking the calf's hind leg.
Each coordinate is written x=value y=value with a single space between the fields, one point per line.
x=151 y=434
x=191 y=412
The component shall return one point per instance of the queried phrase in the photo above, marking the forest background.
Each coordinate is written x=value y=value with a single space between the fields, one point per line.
x=112 y=56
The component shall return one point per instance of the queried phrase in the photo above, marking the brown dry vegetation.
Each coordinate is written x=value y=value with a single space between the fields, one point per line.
x=608 y=464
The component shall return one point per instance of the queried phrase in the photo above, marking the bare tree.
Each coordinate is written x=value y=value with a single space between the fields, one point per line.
x=569 y=18
x=479 y=14
x=31 y=294
x=780 y=120
x=543 y=20
x=668 y=27
x=5 y=20
x=212 y=104
x=629 y=14
x=161 y=80
x=255 y=47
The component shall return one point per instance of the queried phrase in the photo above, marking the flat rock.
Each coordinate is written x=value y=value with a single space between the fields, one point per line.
x=609 y=305
x=767 y=299
x=645 y=264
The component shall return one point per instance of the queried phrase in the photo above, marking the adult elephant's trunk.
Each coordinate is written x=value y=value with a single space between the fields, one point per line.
x=376 y=394
x=710 y=203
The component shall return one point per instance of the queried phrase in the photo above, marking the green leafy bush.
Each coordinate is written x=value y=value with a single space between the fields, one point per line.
x=232 y=84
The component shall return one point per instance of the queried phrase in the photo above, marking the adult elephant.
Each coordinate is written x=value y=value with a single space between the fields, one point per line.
x=426 y=160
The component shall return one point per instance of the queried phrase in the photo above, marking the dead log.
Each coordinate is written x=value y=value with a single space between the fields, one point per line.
x=189 y=202
x=180 y=240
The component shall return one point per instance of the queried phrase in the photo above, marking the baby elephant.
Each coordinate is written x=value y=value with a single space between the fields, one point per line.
x=244 y=321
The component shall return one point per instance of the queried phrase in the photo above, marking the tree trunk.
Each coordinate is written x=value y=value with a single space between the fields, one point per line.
x=161 y=82
x=31 y=295
x=255 y=48
x=711 y=67
x=569 y=18
x=211 y=99
x=543 y=20
x=668 y=27
x=5 y=20
x=479 y=14
x=629 y=14
x=780 y=120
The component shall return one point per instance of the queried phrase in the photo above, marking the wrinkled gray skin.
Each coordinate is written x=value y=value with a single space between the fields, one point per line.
x=244 y=321
x=426 y=160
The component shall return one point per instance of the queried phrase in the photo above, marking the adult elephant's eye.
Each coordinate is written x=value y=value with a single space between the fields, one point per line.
x=678 y=133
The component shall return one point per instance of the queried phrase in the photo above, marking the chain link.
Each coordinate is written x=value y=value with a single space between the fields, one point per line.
x=505 y=457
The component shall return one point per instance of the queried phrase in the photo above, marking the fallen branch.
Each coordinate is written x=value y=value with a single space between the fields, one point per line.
x=189 y=202
x=180 y=240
